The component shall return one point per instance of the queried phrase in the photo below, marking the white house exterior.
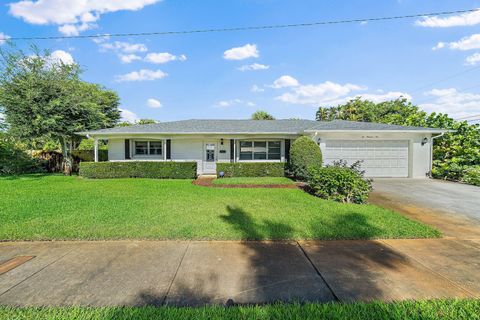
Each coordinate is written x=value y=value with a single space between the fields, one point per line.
x=385 y=150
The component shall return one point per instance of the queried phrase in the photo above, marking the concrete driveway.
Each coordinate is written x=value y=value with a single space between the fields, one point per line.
x=453 y=208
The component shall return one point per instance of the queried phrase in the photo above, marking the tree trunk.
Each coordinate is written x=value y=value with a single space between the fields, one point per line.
x=67 y=159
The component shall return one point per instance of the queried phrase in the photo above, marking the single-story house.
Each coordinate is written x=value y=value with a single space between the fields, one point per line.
x=386 y=150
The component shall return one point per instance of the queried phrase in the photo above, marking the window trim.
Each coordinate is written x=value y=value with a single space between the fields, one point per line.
x=135 y=154
x=267 y=143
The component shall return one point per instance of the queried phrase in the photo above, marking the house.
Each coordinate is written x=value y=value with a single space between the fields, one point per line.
x=386 y=150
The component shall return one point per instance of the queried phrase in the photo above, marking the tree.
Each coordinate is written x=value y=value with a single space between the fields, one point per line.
x=45 y=99
x=452 y=153
x=262 y=115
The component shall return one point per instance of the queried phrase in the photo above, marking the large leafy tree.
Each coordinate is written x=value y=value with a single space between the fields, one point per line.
x=262 y=115
x=45 y=99
x=451 y=153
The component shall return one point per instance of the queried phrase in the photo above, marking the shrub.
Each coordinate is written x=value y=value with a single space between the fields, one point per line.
x=139 y=169
x=339 y=183
x=304 y=153
x=14 y=160
x=252 y=169
x=89 y=155
x=471 y=175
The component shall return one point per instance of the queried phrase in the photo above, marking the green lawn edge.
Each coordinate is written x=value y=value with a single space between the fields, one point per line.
x=55 y=207
x=457 y=309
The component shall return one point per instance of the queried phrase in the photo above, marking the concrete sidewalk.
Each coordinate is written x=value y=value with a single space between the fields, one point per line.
x=217 y=272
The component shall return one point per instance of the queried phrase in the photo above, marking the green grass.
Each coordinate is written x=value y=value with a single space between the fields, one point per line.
x=41 y=207
x=258 y=180
x=412 y=310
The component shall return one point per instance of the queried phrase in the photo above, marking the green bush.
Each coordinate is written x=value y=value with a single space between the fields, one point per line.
x=139 y=169
x=14 y=160
x=252 y=169
x=339 y=183
x=304 y=153
x=471 y=175
x=89 y=155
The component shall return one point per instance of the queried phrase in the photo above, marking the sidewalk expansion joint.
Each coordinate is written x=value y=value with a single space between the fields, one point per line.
x=175 y=274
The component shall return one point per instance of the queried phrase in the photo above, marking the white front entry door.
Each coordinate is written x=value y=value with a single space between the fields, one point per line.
x=380 y=158
x=210 y=158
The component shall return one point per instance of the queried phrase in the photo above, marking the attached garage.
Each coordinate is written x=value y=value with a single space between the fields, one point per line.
x=380 y=158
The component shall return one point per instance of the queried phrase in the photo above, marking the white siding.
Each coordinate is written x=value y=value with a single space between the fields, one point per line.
x=116 y=149
x=188 y=150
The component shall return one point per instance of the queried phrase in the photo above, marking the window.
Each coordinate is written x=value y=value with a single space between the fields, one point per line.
x=148 y=148
x=260 y=150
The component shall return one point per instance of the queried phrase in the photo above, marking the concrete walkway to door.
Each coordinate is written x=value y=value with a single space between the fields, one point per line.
x=195 y=273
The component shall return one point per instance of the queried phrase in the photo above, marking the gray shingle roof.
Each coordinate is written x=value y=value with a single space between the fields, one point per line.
x=251 y=126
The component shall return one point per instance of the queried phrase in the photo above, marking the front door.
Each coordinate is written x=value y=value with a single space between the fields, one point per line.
x=209 y=158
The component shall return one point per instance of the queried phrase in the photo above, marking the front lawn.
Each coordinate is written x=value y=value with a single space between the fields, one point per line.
x=412 y=310
x=254 y=181
x=40 y=207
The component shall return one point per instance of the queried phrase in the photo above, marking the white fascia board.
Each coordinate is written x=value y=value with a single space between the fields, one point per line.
x=380 y=131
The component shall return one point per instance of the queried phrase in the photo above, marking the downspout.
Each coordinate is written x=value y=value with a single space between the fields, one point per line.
x=431 y=151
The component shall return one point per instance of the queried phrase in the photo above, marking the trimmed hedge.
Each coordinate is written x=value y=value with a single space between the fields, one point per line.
x=252 y=169
x=89 y=155
x=304 y=153
x=139 y=169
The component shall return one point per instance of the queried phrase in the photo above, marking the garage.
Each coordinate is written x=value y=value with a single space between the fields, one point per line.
x=381 y=158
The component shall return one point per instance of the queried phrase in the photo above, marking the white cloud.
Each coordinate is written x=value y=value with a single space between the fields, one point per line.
x=163 y=57
x=3 y=38
x=253 y=67
x=60 y=56
x=452 y=102
x=127 y=115
x=153 y=103
x=71 y=16
x=256 y=88
x=473 y=59
x=141 y=75
x=392 y=95
x=120 y=46
x=228 y=103
x=129 y=58
x=324 y=93
x=465 y=19
x=466 y=43
x=284 y=82
x=240 y=53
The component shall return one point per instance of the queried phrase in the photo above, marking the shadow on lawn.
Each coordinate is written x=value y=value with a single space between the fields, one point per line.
x=271 y=271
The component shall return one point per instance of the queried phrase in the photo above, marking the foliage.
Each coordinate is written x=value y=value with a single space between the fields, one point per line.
x=444 y=309
x=452 y=153
x=141 y=122
x=251 y=169
x=139 y=169
x=88 y=144
x=304 y=153
x=89 y=155
x=471 y=175
x=33 y=207
x=254 y=181
x=262 y=115
x=339 y=183
x=45 y=99
x=14 y=159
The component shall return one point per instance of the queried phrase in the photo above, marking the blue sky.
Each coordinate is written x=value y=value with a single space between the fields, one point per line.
x=287 y=72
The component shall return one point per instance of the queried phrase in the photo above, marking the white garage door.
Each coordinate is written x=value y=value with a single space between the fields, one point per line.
x=381 y=158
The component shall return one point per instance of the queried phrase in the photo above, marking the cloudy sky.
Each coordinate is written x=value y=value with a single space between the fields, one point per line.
x=433 y=61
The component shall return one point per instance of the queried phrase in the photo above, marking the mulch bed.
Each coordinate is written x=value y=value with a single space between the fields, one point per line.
x=208 y=182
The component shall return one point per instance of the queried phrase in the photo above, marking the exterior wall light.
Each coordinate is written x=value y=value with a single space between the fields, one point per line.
x=319 y=140
x=424 y=141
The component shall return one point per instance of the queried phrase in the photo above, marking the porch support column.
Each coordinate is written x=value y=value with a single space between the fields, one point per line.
x=95 y=149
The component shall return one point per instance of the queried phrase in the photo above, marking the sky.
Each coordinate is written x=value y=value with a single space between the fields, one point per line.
x=432 y=61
